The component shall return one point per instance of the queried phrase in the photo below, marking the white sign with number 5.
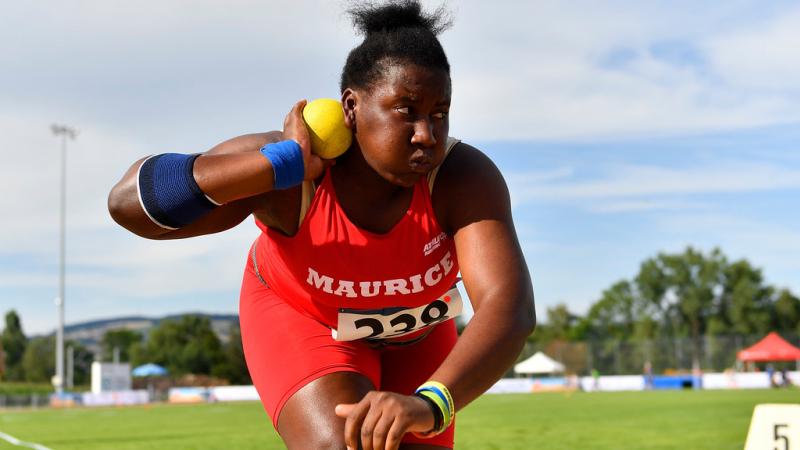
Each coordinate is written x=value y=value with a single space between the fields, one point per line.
x=774 y=427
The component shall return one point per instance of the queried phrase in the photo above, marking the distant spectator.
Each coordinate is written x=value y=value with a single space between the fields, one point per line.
x=771 y=376
x=785 y=380
x=648 y=375
x=697 y=377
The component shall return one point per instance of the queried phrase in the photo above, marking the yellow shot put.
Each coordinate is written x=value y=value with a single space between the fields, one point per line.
x=325 y=121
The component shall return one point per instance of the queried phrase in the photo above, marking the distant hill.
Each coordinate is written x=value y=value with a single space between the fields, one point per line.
x=91 y=333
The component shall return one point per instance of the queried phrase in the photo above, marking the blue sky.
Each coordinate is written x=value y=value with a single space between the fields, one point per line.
x=623 y=129
x=588 y=213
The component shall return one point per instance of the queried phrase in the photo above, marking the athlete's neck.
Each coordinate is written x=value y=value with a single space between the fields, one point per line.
x=369 y=201
x=354 y=178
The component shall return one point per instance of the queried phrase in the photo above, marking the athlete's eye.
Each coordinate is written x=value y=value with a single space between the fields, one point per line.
x=440 y=115
x=403 y=110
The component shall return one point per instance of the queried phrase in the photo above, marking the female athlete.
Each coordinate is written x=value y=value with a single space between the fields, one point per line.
x=348 y=292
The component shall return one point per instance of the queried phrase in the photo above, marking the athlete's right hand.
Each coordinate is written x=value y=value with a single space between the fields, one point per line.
x=380 y=419
x=294 y=127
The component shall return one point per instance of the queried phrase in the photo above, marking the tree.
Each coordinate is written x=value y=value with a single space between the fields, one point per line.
x=684 y=289
x=121 y=339
x=183 y=346
x=38 y=362
x=233 y=368
x=82 y=359
x=13 y=343
x=614 y=315
x=560 y=324
x=695 y=279
x=652 y=286
x=610 y=324
x=787 y=312
x=746 y=301
x=674 y=297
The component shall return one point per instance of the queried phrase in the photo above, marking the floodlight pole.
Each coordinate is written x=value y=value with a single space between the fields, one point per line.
x=70 y=366
x=66 y=133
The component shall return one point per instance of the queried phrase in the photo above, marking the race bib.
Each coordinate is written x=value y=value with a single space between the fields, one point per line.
x=393 y=322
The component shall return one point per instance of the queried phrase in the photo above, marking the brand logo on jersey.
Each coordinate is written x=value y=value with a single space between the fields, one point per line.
x=354 y=289
x=434 y=244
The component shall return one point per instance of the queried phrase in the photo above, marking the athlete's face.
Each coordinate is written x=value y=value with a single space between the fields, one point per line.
x=401 y=122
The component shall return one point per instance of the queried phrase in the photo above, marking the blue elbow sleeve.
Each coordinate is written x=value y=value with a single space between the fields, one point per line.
x=169 y=193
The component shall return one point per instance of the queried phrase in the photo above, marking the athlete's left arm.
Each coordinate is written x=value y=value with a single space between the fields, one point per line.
x=496 y=278
x=476 y=210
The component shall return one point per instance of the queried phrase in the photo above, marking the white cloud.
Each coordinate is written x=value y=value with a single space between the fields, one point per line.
x=762 y=56
x=636 y=180
x=171 y=67
x=770 y=246
x=537 y=76
x=141 y=78
x=614 y=207
x=32 y=178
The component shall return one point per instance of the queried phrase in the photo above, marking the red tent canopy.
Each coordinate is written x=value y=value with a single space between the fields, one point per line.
x=771 y=348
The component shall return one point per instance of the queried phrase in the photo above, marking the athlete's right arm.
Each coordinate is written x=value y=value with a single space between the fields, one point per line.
x=234 y=174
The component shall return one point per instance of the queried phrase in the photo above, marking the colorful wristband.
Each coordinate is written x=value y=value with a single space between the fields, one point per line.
x=439 y=396
x=438 y=418
x=286 y=158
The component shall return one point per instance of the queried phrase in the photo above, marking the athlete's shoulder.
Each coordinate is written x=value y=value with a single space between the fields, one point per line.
x=468 y=186
x=466 y=159
x=467 y=169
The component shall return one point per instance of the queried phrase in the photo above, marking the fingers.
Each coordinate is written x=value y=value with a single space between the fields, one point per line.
x=295 y=114
x=343 y=410
x=316 y=166
x=352 y=425
x=394 y=435
x=388 y=432
x=294 y=127
x=370 y=439
x=380 y=420
x=390 y=427
x=297 y=109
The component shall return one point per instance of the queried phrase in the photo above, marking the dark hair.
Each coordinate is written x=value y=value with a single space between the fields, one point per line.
x=395 y=32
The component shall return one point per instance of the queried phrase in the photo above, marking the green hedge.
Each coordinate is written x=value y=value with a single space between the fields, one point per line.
x=25 y=388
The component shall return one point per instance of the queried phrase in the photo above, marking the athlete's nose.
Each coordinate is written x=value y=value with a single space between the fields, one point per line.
x=423 y=133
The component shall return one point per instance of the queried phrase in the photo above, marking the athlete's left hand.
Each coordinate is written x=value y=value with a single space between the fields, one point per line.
x=380 y=420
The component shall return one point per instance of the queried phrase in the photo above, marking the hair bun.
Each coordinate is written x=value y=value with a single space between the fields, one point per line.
x=369 y=18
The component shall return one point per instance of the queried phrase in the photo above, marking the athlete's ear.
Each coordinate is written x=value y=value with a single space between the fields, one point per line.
x=349 y=101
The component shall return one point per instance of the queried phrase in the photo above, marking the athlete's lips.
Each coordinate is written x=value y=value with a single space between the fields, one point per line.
x=421 y=161
x=421 y=166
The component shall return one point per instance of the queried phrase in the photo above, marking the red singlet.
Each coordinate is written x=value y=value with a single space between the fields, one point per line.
x=331 y=265
x=308 y=301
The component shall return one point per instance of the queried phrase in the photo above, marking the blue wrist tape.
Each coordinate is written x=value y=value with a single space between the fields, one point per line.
x=286 y=158
x=169 y=193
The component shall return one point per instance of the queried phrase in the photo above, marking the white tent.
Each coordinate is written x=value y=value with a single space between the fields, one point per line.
x=539 y=364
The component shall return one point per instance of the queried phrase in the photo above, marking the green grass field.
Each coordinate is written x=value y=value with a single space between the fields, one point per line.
x=625 y=420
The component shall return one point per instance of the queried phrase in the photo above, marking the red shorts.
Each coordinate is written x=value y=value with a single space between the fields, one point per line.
x=285 y=350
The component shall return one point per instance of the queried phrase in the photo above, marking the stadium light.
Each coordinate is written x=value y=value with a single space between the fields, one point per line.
x=70 y=366
x=65 y=133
